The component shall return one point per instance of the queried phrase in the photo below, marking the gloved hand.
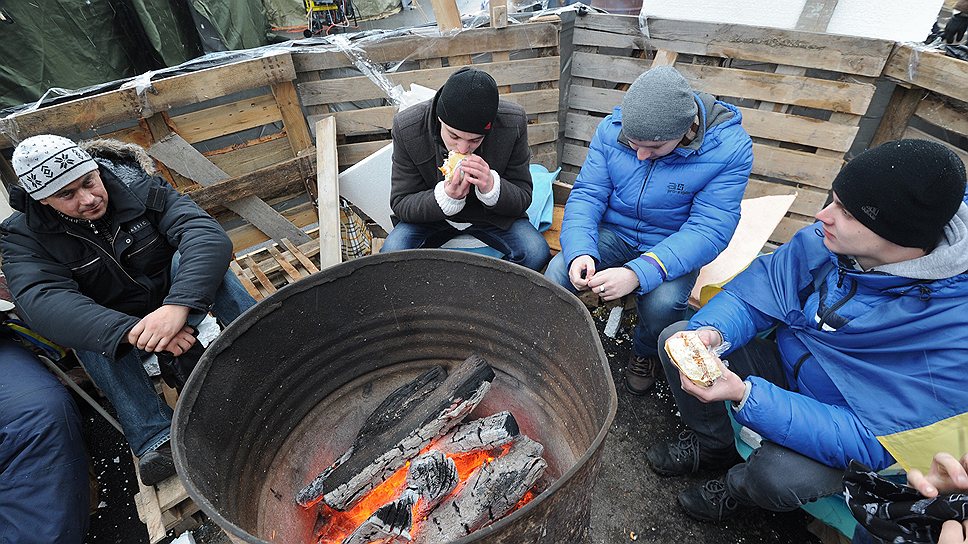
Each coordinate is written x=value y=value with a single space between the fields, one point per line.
x=954 y=31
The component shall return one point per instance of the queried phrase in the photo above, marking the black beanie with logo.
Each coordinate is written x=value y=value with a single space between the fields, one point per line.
x=468 y=101
x=906 y=191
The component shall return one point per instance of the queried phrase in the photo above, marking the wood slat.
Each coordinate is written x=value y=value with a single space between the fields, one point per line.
x=581 y=127
x=263 y=280
x=787 y=89
x=540 y=133
x=847 y=54
x=285 y=177
x=941 y=114
x=788 y=227
x=758 y=123
x=287 y=267
x=350 y=154
x=305 y=261
x=227 y=118
x=574 y=155
x=327 y=191
x=287 y=99
x=121 y=105
x=362 y=88
x=795 y=166
x=246 y=236
x=928 y=69
x=912 y=132
x=426 y=44
x=246 y=282
x=808 y=202
x=252 y=156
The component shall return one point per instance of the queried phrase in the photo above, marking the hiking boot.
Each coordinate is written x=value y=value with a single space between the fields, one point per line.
x=686 y=456
x=157 y=465
x=641 y=373
x=709 y=502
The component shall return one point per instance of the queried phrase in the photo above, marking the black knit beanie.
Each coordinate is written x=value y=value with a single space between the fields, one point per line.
x=468 y=101
x=906 y=191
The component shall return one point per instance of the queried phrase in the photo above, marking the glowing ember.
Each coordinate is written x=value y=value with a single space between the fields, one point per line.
x=336 y=525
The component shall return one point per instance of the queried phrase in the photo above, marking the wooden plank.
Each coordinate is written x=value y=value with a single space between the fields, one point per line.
x=574 y=154
x=800 y=91
x=79 y=115
x=941 y=114
x=758 y=123
x=838 y=53
x=180 y=156
x=816 y=15
x=292 y=116
x=285 y=177
x=581 y=127
x=808 y=202
x=350 y=154
x=291 y=272
x=264 y=281
x=446 y=14
x=327 y=191
x=169 y=493
x=147 y=504
x=900 y=108
x=246 y=282
x=539 y=133
x=568 y=177
x=788 y=227
x=249 y=156
x=225 y=119
x=499 y=13
x=928 y=69
x=246 y=236
x=795 y=166
x=427 y=44
x=362 y=88
x=300 y=256
x=380 y=119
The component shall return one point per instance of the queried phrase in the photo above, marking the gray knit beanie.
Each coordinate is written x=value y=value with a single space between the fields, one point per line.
x=658 y=106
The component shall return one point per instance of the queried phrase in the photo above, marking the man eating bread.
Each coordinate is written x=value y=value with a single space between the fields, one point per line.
x=461 y=165
x=868 y=310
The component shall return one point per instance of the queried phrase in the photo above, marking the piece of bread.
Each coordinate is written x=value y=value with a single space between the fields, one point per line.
x=450 y=164
x=693 y=358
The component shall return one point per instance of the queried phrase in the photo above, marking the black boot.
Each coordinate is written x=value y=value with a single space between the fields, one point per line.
x=641 y=373
x=709 y=502
x=686 y=456
x=157 y=465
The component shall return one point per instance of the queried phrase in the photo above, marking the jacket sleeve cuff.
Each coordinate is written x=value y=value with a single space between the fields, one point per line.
x=450 y=206
x=746 y=395
x=490 y=198
x=649 y=274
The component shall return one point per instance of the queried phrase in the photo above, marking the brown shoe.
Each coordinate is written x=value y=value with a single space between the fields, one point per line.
x=641 y=373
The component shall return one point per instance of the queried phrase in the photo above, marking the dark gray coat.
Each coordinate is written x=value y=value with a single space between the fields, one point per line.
x=418 y=151
x=72 y=288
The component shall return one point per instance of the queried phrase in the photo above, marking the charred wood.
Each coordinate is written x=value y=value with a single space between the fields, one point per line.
x=378 y=453
x=388 y=525
x=481 y=434
x=432 y=477
x=488 y=495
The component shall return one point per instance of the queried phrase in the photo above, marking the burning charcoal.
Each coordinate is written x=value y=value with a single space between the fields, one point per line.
x=487 y=496
x=388 y=525
x=432 y=476
x=381 y=448
x=481 y=434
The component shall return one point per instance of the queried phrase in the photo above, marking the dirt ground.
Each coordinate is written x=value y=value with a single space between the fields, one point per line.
x=630 y=503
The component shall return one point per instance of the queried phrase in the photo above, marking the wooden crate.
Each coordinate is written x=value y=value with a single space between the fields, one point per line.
x=802 y=94
x=522 y=58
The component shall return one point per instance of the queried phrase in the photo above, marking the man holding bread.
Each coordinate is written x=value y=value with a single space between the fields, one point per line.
x=461 y=165
x=867 y=361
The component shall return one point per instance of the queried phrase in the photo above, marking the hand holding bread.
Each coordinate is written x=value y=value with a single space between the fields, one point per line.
x=702 y=373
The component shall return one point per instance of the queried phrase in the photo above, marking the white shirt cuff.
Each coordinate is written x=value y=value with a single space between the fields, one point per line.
x=490 y=198
x=746 y=394
x=448 y=205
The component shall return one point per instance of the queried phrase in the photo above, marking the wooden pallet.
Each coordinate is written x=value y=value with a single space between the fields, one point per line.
x=165 y=508
x=264 y=271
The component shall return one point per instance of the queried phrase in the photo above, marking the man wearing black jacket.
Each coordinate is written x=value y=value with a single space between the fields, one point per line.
x=113 y=262
x=489 y=192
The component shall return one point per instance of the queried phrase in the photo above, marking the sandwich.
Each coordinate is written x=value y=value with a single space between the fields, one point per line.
x=450 y=164
x=693 y=358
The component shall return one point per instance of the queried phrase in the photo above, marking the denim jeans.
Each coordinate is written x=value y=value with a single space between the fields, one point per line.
x=774 y=477
x=521 y=243
x=657 y=309
x=144 y=416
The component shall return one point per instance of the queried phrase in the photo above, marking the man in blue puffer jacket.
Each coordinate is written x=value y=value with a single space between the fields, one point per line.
x=870 y=307
x=657 y=198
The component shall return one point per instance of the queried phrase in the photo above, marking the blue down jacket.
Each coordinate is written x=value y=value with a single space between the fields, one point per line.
x=679 y=210
x=867 y=355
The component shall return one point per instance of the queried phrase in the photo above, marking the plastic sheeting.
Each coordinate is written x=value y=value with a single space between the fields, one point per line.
x=64 y=44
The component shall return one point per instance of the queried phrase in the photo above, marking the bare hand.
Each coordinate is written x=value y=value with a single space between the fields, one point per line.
x=581 y=270
x=614 y=283
x=476 y=172
x=712 y=339
x=456 y=186
x=729 y=386
x=953 y=532
x=156 y=330
x=946 y=474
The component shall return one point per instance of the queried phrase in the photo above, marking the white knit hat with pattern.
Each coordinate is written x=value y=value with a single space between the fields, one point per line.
x=47 y=163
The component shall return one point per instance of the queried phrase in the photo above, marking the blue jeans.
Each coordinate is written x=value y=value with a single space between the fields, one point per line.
x=144 y=416
x=657 y=309
x=521 y=244
x=43 y=467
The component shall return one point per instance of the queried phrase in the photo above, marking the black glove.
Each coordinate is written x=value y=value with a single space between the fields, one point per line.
x=176 y=370
x=954 y=31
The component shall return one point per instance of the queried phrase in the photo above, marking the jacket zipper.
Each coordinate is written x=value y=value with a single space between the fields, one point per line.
x=850 y=294
x=115 y=261
x=149 y=244
x=638 y=203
